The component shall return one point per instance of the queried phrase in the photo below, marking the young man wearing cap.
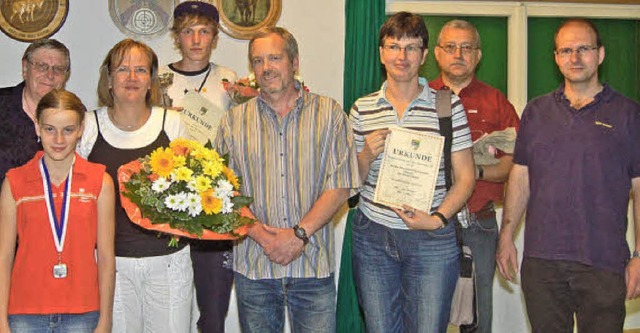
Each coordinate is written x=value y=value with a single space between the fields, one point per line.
x=196 y=88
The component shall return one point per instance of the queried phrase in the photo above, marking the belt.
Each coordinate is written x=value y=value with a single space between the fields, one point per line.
x=486 y=212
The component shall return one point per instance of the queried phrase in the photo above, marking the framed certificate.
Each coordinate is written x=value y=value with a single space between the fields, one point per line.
x=409 y=169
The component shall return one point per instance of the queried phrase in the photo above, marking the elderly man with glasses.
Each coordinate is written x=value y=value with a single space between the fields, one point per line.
x=45 y=66
x=488 y=110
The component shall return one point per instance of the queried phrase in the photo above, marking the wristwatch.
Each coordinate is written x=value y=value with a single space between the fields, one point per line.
x=444 y=220
x=636 y=254
x=301 y=233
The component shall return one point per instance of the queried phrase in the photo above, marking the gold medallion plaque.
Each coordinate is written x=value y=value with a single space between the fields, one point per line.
x=29 y=20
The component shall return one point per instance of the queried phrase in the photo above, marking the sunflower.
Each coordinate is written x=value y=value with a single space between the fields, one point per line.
x=231 y=177
x=161 y=162
x=210 y=204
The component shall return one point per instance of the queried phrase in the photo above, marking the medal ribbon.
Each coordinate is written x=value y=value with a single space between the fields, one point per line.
x=58 y=227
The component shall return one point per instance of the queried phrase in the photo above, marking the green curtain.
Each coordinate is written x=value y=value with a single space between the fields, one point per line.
x=621 y=66
x=362 y=69
x=362 y=75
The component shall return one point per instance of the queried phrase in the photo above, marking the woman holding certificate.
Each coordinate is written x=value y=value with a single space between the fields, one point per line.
x=408 y=245
x=59 y=210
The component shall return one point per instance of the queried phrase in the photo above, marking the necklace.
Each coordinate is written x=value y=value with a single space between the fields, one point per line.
x=112 y=117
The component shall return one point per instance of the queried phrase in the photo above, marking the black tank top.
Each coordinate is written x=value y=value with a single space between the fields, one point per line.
x=130 y=239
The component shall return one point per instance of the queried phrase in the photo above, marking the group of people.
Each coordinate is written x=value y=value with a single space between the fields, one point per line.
x=300 y=156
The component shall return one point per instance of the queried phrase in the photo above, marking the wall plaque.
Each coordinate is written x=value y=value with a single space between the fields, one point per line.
x=29 y=20
x=142 y=18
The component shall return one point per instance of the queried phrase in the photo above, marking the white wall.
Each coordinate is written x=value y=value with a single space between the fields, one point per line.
x=89 y=33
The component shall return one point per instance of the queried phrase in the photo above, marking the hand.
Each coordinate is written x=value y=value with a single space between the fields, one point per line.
x=632 y=278
x=374 y=144
x=104 y=326
x=507 y=258
x=175 y=108
x=284 y=247
x=417 y=219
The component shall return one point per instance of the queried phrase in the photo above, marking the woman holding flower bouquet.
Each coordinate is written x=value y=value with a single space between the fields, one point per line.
x=57 y=209
x=153 y=281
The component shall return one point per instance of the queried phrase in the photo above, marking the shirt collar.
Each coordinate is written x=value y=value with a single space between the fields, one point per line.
x=33 y=174
x=302 y=96
x=424 y=95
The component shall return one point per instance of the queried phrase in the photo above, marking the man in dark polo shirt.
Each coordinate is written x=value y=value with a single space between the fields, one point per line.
x=576 y=159
x=458 y=53
x=45 y=66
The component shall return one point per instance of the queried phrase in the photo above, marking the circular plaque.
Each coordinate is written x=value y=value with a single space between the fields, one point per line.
x=142 y=18
x=242 y=18
x=29 y=20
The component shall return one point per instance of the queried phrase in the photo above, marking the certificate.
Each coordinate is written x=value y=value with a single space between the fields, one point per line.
x=409 y=169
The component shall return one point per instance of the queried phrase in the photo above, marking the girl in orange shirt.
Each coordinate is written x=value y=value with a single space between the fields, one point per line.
x=55 y=211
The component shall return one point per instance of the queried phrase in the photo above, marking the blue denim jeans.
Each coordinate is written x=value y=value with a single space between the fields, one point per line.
x=310 y=304
x=54 y=323
x=405 y=279
x=482 y=237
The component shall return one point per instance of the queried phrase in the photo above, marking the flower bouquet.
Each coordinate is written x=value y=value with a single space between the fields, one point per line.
x=185 y=190
x=242 y=90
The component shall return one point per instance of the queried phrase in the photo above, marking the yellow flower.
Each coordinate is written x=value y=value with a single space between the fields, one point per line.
x=181 y=147
x=210 y=204
x=183 y=173
x=161 y=162
x=179 y=160
x=212 y=169
x=203 y=183
x=231 y=177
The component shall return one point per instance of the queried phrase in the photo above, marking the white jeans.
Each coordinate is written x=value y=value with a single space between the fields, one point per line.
x=153 y=294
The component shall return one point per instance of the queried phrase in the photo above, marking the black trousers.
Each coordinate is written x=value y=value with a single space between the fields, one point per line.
x=555 y=290
x=213 y=279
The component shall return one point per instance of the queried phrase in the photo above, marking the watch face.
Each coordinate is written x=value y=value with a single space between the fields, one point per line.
x=300 y=232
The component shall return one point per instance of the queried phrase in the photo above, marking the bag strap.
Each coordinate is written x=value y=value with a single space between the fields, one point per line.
x=443 y=107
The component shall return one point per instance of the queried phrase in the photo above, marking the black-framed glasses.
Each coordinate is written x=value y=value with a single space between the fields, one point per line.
x=42 y=67
x=580 y=50
x=411 y=49
x=452 y=48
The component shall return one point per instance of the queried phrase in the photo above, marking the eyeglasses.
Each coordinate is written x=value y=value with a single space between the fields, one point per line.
x=124 y=70
x=580 y=50
x=452 y=48
x=42 y=67
x=395 y=49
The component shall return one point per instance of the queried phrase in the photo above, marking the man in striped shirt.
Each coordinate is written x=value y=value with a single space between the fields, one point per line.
x=296 y=155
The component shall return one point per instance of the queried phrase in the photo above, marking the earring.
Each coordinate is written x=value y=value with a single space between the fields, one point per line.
x=38 y=140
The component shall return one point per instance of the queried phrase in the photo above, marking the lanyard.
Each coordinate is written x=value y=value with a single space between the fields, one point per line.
x=205 y=79
x=58 y=226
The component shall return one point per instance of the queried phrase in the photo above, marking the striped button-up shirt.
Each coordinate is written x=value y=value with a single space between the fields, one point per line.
x=286 y=163
x=374 y=112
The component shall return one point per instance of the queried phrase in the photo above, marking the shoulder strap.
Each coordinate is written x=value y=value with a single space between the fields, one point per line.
x=95 y=113
x=443 y=107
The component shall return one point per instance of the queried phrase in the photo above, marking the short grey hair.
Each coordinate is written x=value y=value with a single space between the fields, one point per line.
x=462 y=25
x=50 y=44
